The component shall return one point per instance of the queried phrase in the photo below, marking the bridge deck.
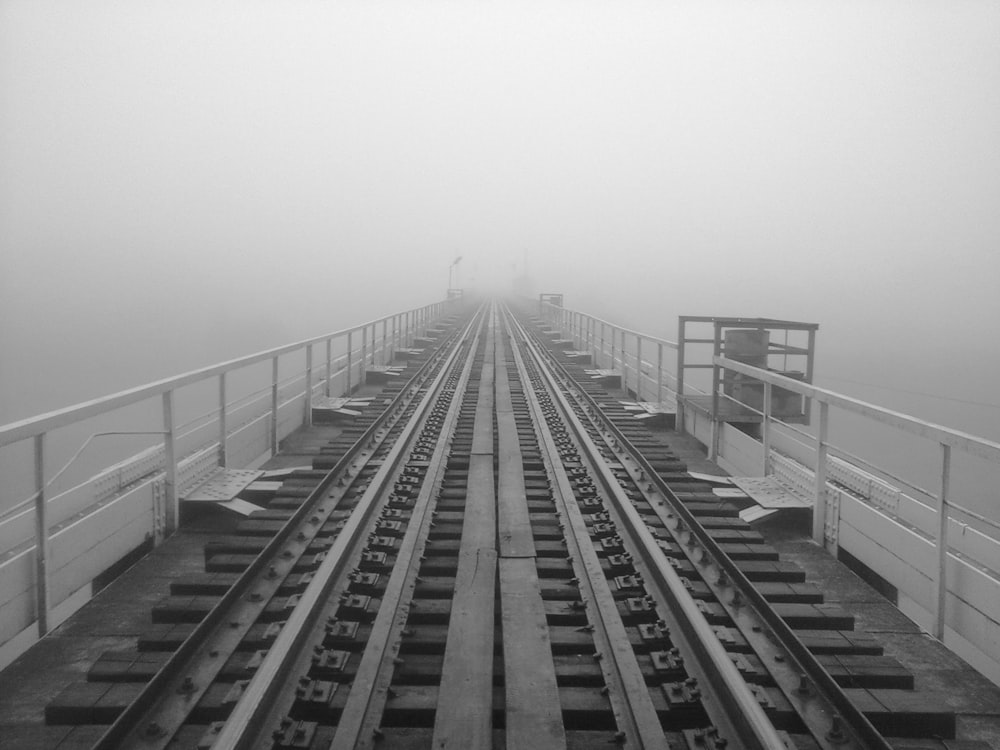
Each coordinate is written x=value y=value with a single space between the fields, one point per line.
x=117 y=616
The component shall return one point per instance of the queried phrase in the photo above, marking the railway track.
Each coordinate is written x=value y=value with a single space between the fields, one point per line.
x=500 y=557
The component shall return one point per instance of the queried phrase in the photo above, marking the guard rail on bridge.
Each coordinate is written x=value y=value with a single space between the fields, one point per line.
x=54 y=544
x=941 y=556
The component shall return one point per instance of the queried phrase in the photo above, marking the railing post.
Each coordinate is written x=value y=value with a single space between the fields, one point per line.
x=638 y=367
x=41 y=541
x=223 y=426
x=614 y=339
x=385 y=346
x=329 y=366
x=659 y=373
x=364 y=353
x=350 y=363
x=819 y=511
x=309 y=386
x=765 y=429
x=941 y=582
x=598 y=363
x=624 y=351
x=170 y=465
x=274 y=406
x=679 y=395
x=713 y=451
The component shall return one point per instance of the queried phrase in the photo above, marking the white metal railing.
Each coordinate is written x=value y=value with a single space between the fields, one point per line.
x=622 y=349
x=616 y=347
x=946 y=438
x=363 y=346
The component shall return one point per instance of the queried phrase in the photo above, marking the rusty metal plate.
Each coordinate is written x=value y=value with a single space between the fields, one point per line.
x=223 y=485
x=767 y=492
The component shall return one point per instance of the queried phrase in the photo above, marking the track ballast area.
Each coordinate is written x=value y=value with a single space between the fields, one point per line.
x=494 y=554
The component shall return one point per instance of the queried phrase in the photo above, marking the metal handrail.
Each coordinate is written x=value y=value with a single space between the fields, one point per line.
x=976 y=446
x=946 y=437
x=33 y=426
x=627 y=331
x=36 y=428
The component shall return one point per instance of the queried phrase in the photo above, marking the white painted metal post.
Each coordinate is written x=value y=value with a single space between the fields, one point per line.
x=819 y=511
x=713 y=451
x=170 y=465
x=364 y=353
x=638 y=367
x=223 y=426
x=765 y=429
x=679 y=394
x=329 y=367
x=395 y=335
x=941 y=582
x=598 y=363
x=274 y=406
x=41 y=541
x=659 y=373
x=614 y=339
x=350 y=363
x=309 y=385
x=385 y=340
x=624 y=354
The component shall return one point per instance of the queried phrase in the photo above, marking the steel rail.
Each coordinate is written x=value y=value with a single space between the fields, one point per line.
x=370 y=690
x=245 y=723
x=834 y=721
x=533 y=717
x=160 y=708
x=464 y=713
x=631 y=703
x=741 y=713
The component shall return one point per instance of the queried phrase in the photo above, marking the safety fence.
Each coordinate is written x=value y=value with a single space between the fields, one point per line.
x=55 y=542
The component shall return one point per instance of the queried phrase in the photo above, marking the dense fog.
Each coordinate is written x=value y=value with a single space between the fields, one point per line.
x=185 y=182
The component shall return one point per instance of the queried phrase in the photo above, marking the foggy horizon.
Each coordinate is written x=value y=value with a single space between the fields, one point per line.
x=184 y=183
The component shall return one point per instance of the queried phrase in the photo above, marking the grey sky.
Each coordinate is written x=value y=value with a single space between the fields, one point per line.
x=241 y=173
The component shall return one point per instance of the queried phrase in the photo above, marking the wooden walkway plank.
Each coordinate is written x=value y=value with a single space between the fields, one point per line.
x=534 y=713
x=515 y=537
